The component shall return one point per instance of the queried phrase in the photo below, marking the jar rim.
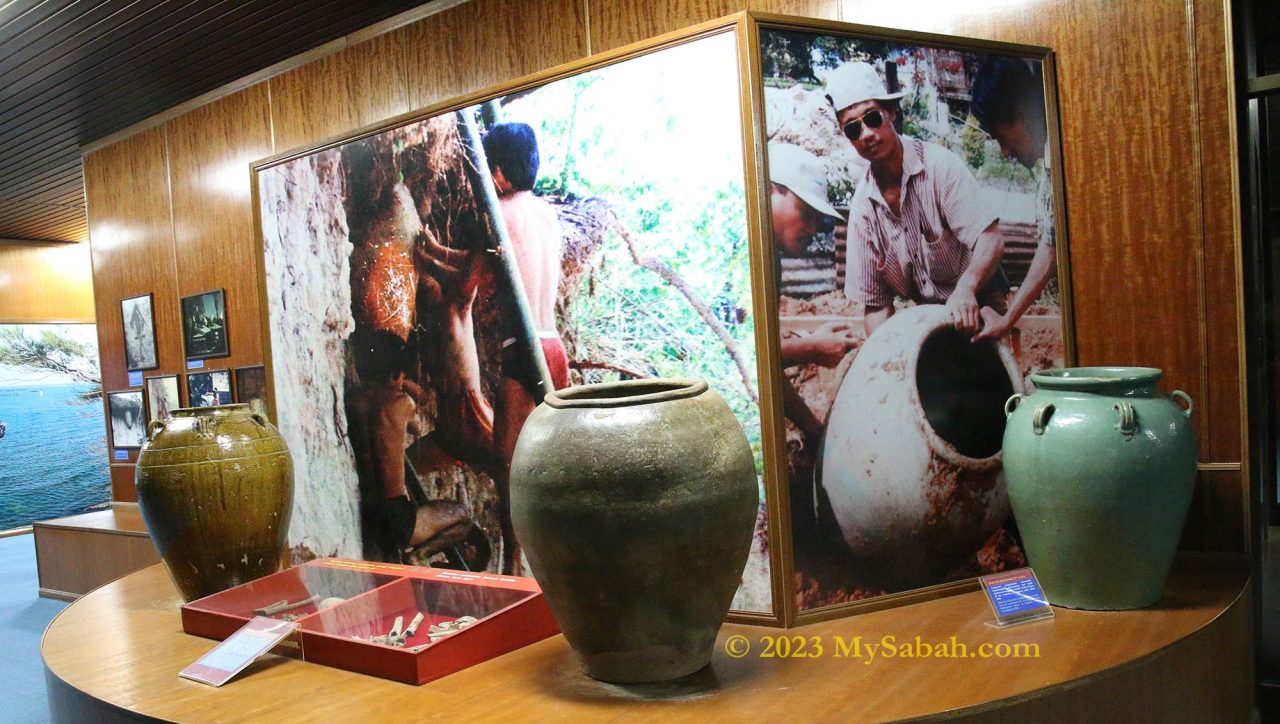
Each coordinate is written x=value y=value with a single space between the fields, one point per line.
x=1090 y=377
x=626 y=393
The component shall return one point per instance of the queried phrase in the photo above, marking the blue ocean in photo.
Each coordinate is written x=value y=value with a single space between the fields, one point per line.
x=53 y=456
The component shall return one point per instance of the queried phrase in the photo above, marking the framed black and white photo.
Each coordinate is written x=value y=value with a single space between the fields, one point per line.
x=209 y=389
x=128 y=426
x=251 y=384
x=204 y=325
x=162 y=397
x=139 y=321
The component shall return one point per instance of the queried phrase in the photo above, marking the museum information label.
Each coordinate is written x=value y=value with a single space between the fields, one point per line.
x=239 y=650
x=1016 y=597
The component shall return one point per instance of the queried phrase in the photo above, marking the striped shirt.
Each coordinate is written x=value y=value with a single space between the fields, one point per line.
x=922 y=253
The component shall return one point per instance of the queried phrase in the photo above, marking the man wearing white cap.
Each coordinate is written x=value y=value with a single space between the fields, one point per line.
x=917 y=228
x=798 y=195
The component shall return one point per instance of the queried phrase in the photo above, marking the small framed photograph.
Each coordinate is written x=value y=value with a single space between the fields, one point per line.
x=204 y=325
x=162 y=397
x=251 y=384
x=138 y=317
x=209 y=389
x=128 y=427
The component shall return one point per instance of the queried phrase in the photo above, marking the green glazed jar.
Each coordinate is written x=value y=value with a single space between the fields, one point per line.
x=635 y=503
x=1100 y=468
x=215 y=487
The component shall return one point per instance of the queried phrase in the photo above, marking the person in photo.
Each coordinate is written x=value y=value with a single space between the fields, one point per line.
x=917 y=227
x=1008 y=101
x=386 y=421
x=800 y=208
x=533 y=228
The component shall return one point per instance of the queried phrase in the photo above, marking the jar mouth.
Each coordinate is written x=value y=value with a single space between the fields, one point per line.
x=624 y=394
x=210 y=410
x=1085 y=378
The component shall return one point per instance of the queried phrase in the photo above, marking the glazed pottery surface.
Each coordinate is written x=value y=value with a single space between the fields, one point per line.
x=1101 y=467
x=636 y=502
x=911 y=459
x=215 y=487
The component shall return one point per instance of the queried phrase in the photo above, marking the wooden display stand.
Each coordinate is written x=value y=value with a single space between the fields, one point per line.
x=115 y=655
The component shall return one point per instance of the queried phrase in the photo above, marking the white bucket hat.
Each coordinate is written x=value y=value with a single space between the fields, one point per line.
x=854 y=83
x=803 y=173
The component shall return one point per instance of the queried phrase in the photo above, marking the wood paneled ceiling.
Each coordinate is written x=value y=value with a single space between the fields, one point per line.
x=73 y=71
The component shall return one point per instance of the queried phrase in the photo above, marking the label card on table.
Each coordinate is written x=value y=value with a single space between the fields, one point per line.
x=239 y=650
x=1016 y=597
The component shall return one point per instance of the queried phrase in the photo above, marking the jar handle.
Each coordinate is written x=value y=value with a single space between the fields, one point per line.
x=204 y=426
x=1040 y=418
x=259 y=412
x=1180 y=395
x=1128 y=417
x=1012 y=403
x=154 y=428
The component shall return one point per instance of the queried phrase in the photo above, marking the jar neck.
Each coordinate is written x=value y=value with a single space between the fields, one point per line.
x=1107 y=381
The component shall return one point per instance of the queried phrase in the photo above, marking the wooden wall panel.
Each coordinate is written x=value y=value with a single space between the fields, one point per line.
x=45 y=283
x=485 y=42
x=122 y=490
x=825 y=9
x=1220 y=410
x=127 y=194
x=337 y=93
x=210 y=151
x=615 y=23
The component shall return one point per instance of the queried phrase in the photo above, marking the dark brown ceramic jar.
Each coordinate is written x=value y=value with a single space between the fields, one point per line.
x=636 y=502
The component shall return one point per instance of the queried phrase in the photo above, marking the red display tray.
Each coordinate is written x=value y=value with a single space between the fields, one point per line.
x=510 y=612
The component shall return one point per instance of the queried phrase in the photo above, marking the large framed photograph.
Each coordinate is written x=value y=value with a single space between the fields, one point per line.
x=139 y=320
x=204 y=325
x=916 y=215
x=128 y=426
x=163 y=397
x=620 y=188
x=209 y=389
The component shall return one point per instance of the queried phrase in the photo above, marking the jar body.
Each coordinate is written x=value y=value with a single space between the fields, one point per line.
x=1101 y=468
x=911 y=458
x=215 y=487
x=636 y=515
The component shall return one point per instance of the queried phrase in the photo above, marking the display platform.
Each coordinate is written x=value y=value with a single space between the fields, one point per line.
x=115 y=655
x=78 y=553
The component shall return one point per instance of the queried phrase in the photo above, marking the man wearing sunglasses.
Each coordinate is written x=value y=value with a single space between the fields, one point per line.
x=1008 y=101
x=917 y=226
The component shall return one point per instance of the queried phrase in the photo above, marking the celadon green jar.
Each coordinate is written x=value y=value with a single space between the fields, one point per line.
x=1100 y=468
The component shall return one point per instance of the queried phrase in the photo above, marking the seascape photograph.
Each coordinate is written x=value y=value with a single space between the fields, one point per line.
x=49 y=394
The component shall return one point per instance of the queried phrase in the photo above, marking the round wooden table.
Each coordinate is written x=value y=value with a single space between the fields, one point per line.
x=115 y=655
